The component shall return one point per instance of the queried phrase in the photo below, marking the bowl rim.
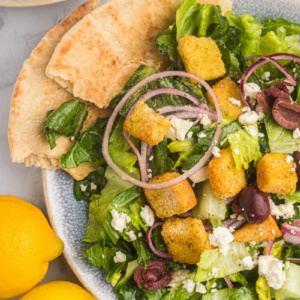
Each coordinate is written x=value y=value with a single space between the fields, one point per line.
x=11 y=3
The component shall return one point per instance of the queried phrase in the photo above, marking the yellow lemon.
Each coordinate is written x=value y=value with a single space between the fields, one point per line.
x=58 y=290
x=27 y=244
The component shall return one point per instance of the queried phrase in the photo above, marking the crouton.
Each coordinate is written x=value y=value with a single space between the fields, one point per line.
x=147 y=125
x=173 y=200
x=229 y=97
x=268 y=230
x=201 y=57
x=276 y=174
x=225 y=180
x=185 y=239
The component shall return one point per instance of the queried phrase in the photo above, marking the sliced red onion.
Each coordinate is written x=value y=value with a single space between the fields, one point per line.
x=269 y=247
x=231 y=199
x=229 y=283
x=291 y=238
x=229 y=222
x=184 y=115
x=296 y=223
x=208 y=227
x=293 y=230
x=113 y=116
x=237 y=224
x=151 y=246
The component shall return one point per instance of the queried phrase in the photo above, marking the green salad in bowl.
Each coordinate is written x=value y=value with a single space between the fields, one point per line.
x=196 y=192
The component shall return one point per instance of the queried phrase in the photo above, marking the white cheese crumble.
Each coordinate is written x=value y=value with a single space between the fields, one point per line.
x=249 y=117
x=271 y=268
x=189 y=285
x=179 y=128
x=236 y=151
x=266 y=76
x=93 y=186
x=252 y=130
x=201 y=135
x=140 y=234
x=119 y=257
x=216 y=151
x=83 y=187
x=251 y=89
x=235 y=101
x=131 y=235
x=200 y=288
x=190 y=134
x=246 y=263
x=205 y=120
x=285 y=211
x=261 y=135
x=221 y=237
x=290 y=88
x=296 y=133
x=119 y=220
x=178 y=277
x=260 y=112
x=148 y=215
x=151 y=158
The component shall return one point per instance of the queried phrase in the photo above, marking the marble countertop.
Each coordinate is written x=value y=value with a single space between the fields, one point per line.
x=21 y=29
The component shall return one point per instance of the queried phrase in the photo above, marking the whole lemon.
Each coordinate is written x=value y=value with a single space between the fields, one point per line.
x=27 y=244
x=58 y=290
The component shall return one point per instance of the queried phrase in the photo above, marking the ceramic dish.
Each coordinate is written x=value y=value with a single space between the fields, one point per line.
x=69 y=217
x=25 y=3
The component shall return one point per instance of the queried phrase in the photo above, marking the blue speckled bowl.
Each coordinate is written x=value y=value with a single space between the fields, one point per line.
x=69 y=217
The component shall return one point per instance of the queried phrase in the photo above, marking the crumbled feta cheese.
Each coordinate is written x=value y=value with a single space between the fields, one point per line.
x=296 y=133
x=83 y=187
x=236 y=151
x=261 y=135
x=119 y=220
x=266 y=76
x=273 y=232
x=190 y=134
x=216 y=151
x=271 y=268
x=260 y=112
x=179 y=128
x=72 y=138
x=246 y=109
x=119 y=257
x=151 y=158
x=201 y=135
x=251 y=89
x=285 y=211
x=248 y=118
x=205 y=120
x=235 y=101
x=290 y=88
x=200 y=288
x=289 y=159
x=148 y=215
x=140 y=234
x=189 y=285
x=93 y=186
x=293 y=169
x=221 y=237
x=246 y=263
x=178 y=277
x=252 y=130
x=131 y=235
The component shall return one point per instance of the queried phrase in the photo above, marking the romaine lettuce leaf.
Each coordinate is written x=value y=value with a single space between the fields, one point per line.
x=225 y=264
x=245 y=147
x=129 y=273
x=243 y=293
x=295 y=197
x=262 y=288
x=238 y=277
x=273 y=25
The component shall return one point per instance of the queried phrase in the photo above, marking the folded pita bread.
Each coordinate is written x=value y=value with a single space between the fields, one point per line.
x=96 y=58
x=35 y=94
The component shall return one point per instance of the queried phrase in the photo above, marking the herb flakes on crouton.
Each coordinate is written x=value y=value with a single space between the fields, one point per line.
x=201 y=57
x=225 y=180
x=185 y=239
x=176 y=199
x=268 y=230
x=276 y=174
x=147 y=125
x=229 y=96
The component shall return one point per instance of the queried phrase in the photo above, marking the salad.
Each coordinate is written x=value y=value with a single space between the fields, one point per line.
x=196 y=192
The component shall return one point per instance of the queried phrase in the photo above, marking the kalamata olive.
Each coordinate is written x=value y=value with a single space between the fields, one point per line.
x=296 y=156
x=254 y=204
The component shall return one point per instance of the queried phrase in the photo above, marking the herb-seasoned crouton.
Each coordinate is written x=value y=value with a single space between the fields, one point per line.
x=201 y=57
x=268 y=230
x=173 y=200
x=229 y=97
x=276 y=174
x=147 y=125
x=185 y=239
x=225 y=180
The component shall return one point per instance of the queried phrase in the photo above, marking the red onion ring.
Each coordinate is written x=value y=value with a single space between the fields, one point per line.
x=269 y=247
x=229 y=283
x=151 y=246
x=184 y=115
x=291 y=238
x=237 y=224
x=113 y=116
x=290 y=229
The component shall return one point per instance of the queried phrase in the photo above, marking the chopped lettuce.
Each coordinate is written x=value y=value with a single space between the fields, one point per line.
x=243 y=293
x=225 y=264
x=262 y=288
x=295 y=197
x=181 y=146
x=245 y=147
x=129 y=273
x=238 y=277
x=280 y=139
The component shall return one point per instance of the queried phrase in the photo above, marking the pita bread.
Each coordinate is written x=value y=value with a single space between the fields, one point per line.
x=100 y=53
x=35 y=94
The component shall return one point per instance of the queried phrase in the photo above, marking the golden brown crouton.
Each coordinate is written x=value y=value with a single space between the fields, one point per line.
x=227 y=89
x=147 y=125
x=225 y=180
x=268 y=230
x=275 y=175
x=185 y=239
x=173 y=200
x=201 y=57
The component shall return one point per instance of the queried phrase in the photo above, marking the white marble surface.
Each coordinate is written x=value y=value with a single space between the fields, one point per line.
x=20 y=31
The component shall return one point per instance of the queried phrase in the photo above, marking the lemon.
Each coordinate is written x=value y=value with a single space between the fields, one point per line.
x=27 y=244
x=58 y=290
